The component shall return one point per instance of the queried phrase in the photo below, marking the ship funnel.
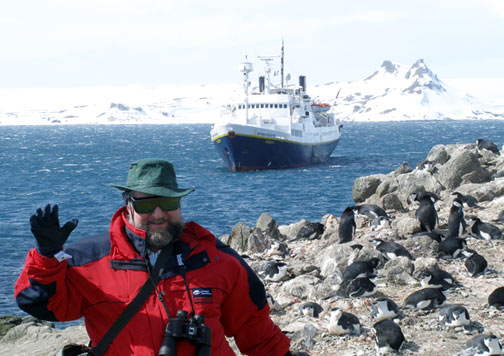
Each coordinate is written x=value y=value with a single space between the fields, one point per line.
x=261 y=84
x=245 y=67
x=302 y=82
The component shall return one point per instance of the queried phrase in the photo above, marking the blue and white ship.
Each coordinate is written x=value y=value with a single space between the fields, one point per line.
x=275 y=127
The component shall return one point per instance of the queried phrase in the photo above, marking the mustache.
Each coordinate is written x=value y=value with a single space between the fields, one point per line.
x=157 y=221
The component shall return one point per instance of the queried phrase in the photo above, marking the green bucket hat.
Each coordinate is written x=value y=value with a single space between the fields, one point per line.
x=153 y=176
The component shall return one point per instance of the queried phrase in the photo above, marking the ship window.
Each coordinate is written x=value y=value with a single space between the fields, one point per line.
x=276 y=106
x=262 y=106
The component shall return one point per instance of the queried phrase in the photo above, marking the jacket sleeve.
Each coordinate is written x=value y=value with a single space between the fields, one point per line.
x=245 y=313
x=43 y=291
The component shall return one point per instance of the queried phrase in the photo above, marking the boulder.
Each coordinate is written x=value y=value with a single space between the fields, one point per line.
x=365 y=187
x=461 y=163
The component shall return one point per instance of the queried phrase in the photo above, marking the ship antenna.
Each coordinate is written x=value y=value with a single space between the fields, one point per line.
x=246 y=68
x=282 y=64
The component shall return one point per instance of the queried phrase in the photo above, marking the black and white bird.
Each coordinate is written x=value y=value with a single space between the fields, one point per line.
x=341 y=323
x=475 y=263
x=455 y=315
x=311 y=309
x=311 y=231
x=456 y=221
x=426 y=165
x=419 y=193
x=437 y=278
x=425 y=299
x=390 y=250
x=356 y=269
x=358 y=287
x=482 y=345
x=388 y=336
x=370 y=210
x=384 y=308
x=274 y=271
x=380 y=223
x=487 y=145
x=273 y=304
x=346 y=228
x=496 y=298
x=451 y=247
x=485 y=231
x=467 y=200
x=426 y=213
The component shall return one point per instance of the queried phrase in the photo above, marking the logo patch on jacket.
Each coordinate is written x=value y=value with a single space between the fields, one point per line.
x=202 y=295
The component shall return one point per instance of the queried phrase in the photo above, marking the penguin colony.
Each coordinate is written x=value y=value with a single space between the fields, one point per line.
x=365 y=308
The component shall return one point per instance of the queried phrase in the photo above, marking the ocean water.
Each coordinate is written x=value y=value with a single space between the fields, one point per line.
x=73 y=166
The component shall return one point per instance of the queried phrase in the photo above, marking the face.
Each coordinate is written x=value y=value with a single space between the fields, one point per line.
x=162 y=227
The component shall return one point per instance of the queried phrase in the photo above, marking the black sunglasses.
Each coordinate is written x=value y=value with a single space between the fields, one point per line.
x=149 y=204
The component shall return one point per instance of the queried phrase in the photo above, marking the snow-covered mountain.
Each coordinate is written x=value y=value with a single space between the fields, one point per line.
x=394 y=92
x=397 y=92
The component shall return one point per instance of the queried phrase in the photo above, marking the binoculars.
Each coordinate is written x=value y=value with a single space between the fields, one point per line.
x=182 y=328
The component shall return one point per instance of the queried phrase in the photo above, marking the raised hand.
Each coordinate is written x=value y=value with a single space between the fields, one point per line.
x=47 y=231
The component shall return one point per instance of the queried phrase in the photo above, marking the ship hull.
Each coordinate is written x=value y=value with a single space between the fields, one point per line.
x=245 y=152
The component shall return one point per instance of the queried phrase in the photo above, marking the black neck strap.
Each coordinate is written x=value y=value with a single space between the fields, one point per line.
x=135 y=304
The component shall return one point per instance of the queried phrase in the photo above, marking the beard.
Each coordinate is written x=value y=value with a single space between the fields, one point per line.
x=159 y=238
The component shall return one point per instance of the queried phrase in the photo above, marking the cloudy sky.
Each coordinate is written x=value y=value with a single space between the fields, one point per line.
x=62 y=43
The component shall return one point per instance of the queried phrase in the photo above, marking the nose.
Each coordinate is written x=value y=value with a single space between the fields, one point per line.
x=158 y=212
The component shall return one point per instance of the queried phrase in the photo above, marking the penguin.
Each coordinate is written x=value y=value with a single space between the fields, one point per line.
x=451 y=247
x=278 y=250
x=487 y=145
x=384 y=308
x=475 y=263
x=358 y=287
x=361 y=269
x=434 y=235
x=388 y=336
x=456 y=222
x=496 y=298
x=426 y=165
x=379 y=223
x=357 y=247
x=346 y=228
x=419 y=193
x=484 y=230
x=425 y=299
x=455 y=315
x=370 y=210
x=273 y=304
x=482 y=345
x=341 y=323
x=426 y=213
x=437 y=278
x=467 y=200
x=311 y=309
x=274 y=271
x=390 y=250
x=311 y=231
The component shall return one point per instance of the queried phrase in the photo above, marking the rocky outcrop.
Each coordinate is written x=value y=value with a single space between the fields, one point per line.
x=454 y=167
x=316 y=262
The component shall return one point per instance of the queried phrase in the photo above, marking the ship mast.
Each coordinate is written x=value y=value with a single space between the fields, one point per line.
x=246 y=68
x=282 y=64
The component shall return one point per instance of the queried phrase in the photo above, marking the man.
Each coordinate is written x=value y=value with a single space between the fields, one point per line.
x=98 y=276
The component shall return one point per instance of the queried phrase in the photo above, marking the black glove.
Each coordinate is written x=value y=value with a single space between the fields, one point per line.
x=46 y=229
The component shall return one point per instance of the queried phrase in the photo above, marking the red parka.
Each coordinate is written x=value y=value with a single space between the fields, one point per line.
x=106 y=272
